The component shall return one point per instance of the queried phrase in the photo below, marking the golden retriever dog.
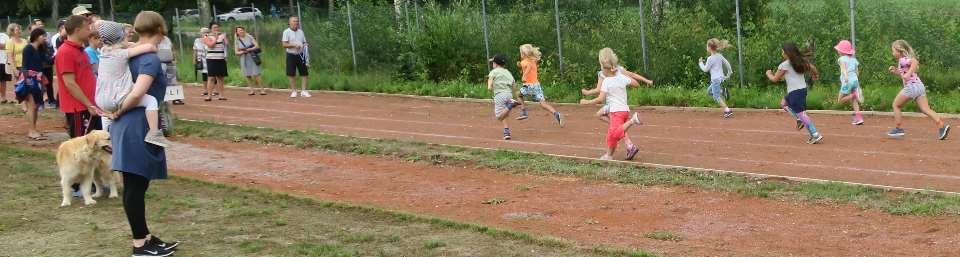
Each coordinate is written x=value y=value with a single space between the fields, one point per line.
x=86 y=161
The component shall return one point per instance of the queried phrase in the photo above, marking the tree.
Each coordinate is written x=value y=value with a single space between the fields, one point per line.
x=54 y=11
x=203 y=8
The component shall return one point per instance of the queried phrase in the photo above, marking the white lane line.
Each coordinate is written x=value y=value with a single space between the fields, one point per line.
x=354 y=117
x=694 y=156
x=656 y=165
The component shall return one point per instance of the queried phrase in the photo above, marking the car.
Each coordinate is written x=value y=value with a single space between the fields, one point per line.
x=189 y=14
x=240 y=14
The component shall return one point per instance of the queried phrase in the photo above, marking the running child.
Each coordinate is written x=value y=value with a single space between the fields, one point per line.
x=529 y=57
x=501 y=82
x=849 y=81
x=614 y=91
x=792 y=69
x=604 y=112
x=913 y=89
x=114 y=81
x=716 y=65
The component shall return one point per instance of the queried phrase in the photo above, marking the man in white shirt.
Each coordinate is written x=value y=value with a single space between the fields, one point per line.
x=295 y=44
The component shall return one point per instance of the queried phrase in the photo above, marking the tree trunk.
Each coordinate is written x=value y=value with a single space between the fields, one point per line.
x=397 y=4
x=203 y=8
x=101 y=9
x=113 y=16
x=54 y=12
x=656 y=10
x=293 y=9
x=331 y=9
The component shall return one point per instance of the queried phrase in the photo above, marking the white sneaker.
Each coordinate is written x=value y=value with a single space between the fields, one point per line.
x=304 y=93
x=293 y=94
x=635 y=118
x=606 y=157
x=156 y=137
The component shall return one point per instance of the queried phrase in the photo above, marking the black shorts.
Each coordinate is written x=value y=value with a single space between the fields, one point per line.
x=296 y=63
x=217 y=67
x=797 y=100
x=3 y=73
x=81 y=123
x=203 y=76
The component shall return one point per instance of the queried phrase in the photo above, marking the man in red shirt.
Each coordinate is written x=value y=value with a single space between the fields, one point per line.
x=76 y=82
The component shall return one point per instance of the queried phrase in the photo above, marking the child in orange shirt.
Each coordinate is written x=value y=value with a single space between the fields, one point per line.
x=529 y=57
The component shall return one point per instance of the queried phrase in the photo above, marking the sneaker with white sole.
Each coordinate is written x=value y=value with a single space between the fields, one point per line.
x=559 y=118
x=169 y=246
x=815 y=139
x=150 y=249
x=944 y=132
x=304 y=93
x=293 y=94
x=727 y=114
x=635 y=119
x=606 y=157
x=897 y=132
x=857 y=122
x=632 y=151
x=800 y=125
x=156 y=137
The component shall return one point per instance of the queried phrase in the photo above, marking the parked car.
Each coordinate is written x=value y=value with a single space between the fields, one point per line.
x=189 y=14
x=240 y=14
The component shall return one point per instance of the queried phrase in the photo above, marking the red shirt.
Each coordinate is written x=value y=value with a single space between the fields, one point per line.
x=71 y=59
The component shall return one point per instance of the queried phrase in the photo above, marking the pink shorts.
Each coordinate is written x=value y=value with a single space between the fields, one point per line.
x=615 y=132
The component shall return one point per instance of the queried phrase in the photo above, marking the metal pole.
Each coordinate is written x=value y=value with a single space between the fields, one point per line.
x=252 y=7
x=179 y=37
x=486 y=36
x=353 y=46
x=301 y=16
x=556 y=11
x=643 y=40
x=214 y=17
x=853 y=28
x=739 y=43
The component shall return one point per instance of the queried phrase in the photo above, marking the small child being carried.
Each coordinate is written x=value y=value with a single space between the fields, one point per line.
x=114 y=81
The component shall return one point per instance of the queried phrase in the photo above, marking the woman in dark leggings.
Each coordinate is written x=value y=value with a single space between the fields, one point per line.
x=138 y=161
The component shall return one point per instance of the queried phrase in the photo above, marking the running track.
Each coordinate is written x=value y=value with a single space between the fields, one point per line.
x=754 y=142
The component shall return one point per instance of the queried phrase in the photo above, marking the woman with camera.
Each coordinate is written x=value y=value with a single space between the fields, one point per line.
x=247 y=48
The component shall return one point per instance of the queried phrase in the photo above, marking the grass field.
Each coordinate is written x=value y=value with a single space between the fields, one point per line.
x=220 y=220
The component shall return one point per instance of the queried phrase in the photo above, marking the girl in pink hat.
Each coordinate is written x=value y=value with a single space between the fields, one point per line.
x=849 y=81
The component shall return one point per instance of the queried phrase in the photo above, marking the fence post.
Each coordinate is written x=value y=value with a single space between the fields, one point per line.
x=486 y=36
x=739 y=44
x=179 y=37
x=556 y=11
x=353 y=47
x=254 y=8
x=853 y=28
x=643 y=40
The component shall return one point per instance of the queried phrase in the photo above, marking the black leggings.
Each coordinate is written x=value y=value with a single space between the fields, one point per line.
x=48 y=73
x=134 y=190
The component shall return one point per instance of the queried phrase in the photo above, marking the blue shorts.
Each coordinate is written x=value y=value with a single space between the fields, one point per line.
x=849 y=87
x=716 y=91
x=532 y=93
x=797 y=100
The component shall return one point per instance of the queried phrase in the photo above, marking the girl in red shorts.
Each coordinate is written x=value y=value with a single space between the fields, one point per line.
x=613 y=91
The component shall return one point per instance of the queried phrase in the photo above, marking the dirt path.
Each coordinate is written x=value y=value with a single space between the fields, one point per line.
x=591 y=213
x=764 y=143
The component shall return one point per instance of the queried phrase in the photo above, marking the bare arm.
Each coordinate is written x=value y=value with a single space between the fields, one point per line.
x=70 y=82
x=775 y=77
x=595 y=90
x=136 y=93
x=600 y=99
x=633 y=82
x=490 y=83
x=637 y=77
x=843 y=72
x=140 y=49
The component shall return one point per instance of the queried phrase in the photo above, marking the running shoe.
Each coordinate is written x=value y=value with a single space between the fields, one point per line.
x=606 y=157
x=559 y=118
x=815 y=139
x=800 y=125
x=635 y=118
x=897 y=132
x=523 y=114
x=727 y=114
x=293 y=94
x=944 y=131
x=304 y=93
x=632 y=151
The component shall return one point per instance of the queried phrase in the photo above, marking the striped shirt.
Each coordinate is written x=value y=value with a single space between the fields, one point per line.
x=219 y=49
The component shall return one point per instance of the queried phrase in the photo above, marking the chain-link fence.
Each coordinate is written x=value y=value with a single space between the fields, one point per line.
x=450 y=41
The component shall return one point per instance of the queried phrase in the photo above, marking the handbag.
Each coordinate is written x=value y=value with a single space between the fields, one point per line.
x=254 y=54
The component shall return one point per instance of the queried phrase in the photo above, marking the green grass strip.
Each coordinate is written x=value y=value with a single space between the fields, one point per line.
x=893 y=202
